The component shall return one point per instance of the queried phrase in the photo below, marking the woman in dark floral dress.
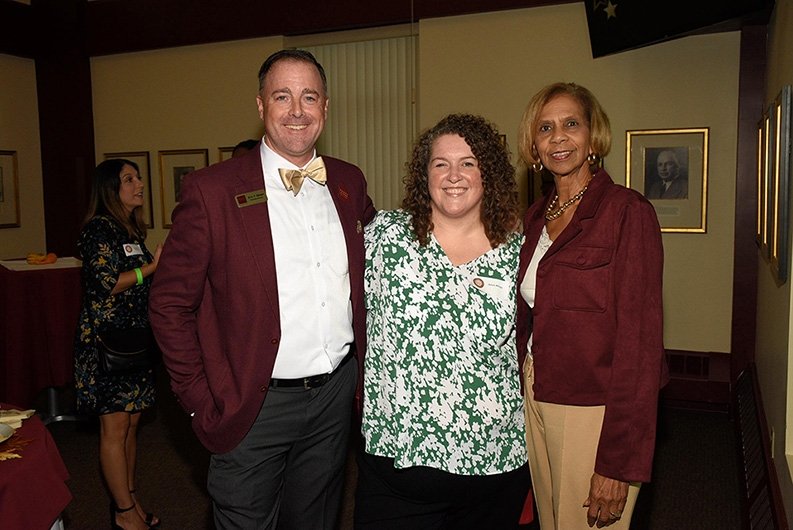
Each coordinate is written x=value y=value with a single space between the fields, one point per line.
x=116 y=276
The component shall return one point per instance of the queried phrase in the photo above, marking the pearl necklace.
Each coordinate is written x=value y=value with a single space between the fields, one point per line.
x=550 y=215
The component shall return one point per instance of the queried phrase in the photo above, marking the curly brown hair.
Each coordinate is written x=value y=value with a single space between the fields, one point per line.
x=499 y=209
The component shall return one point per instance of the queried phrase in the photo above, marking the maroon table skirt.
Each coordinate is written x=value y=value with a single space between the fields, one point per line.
x=33 y=492
x=39 y=310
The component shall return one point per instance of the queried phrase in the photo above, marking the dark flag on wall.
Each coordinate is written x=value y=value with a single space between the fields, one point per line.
x=619 y=25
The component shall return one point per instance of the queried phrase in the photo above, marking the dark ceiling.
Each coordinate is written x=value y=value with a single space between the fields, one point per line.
x=119 y=26
x=105 y=27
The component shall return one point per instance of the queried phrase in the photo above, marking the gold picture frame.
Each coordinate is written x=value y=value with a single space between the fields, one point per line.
x=776 y=188
x=764 y=155
x=174 y=165
x=670 y=168
x=141 y=158
x=9 y=190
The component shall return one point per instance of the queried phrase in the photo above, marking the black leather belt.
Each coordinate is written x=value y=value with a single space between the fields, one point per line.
x=307 y=383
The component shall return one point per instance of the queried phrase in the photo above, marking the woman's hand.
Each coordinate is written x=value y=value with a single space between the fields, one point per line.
x=607 y=497
x=157 y=252
x=129 y=279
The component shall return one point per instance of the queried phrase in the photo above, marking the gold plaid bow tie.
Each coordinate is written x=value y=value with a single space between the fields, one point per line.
x=293 y=178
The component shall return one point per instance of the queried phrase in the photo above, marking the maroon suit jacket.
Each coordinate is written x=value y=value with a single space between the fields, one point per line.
x=598 y=320
x=214 y=301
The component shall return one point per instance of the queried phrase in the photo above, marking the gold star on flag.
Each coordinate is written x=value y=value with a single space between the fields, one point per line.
x=611 y=10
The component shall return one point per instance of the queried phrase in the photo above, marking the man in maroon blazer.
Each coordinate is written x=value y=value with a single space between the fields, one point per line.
x=258 y=308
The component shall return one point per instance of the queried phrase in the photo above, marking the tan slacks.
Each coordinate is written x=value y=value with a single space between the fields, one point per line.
x=562 y=442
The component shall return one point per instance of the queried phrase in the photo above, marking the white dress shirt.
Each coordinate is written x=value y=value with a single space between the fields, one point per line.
x=528 y=287
x=312 y=274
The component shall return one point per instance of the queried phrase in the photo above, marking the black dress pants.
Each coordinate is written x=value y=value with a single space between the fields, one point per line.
x=427 y=498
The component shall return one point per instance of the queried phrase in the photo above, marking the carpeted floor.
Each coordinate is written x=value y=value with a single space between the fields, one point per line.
x=695 y=481
x=696 y=474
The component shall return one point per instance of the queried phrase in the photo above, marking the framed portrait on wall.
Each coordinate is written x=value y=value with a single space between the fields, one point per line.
x=764 y=155
x=174 y=166
x=670 y=168
x=9 y=190
x=776 y=191
x=224 y=153
x=141 y=158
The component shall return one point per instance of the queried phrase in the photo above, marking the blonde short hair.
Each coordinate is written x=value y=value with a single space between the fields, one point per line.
x=599 y=126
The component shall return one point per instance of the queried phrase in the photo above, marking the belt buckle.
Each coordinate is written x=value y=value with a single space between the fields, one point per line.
x=314 y=381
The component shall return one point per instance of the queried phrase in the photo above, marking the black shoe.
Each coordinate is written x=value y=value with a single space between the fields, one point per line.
x=149 y=515
x=113 y=511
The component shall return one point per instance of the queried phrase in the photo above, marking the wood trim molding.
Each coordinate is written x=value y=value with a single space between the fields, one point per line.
x=66 y=130
x=762 y=497
x=751 y=95
x=699 y=380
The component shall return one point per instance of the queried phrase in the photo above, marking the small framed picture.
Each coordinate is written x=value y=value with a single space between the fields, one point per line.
x=773 y=196
x=141 y=158
x=670 y=168
x=174 y=166
x=764 y=206
x=224 y=153
x=9 y=190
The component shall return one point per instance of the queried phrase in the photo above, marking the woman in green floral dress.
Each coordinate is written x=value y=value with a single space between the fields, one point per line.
x=116 y=275
x=443 y=412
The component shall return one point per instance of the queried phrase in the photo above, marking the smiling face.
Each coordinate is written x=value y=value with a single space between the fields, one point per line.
x=293 y=106
x=562 y=136
x=130 y=192
x=455 y=181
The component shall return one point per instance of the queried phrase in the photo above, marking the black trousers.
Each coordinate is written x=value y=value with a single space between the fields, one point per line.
x=288 y=472
x=427 y=498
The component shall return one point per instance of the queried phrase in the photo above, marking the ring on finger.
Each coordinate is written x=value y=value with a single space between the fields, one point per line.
x=615 y=515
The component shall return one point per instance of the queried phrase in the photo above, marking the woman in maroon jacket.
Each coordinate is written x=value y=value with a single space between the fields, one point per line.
x=589 y=320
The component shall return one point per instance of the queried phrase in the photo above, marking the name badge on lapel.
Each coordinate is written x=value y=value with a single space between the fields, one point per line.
x=132 y=249
x=251 y=198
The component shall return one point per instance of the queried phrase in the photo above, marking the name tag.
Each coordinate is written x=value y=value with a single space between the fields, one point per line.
x=251 y=198
x=132 y=249
x=494 y=287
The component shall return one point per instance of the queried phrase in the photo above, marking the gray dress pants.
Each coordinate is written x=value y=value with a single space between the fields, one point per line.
x=288 y=471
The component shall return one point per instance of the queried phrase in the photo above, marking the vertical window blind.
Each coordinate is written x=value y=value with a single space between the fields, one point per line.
x=371 y=118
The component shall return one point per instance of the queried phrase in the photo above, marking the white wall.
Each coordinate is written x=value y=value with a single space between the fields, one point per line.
x=774 y=302
x=19 y=131
x=690 y=82
x=491 y=64
x=193 y=97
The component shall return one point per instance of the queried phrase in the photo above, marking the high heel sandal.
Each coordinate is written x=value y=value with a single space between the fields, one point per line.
x=113 y=511
x=149 y=516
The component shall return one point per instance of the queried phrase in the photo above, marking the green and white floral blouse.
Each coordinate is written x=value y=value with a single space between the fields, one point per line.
x=441 y=386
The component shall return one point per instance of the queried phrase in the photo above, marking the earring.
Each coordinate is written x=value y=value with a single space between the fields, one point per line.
x=537 y=167
x=593 y=159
